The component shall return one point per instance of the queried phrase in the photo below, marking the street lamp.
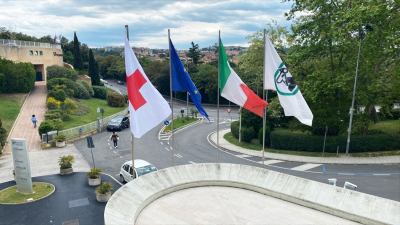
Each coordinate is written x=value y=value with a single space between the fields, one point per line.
x=361 y=34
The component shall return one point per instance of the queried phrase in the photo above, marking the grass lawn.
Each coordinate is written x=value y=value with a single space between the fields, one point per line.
x=10 y=104
x=257 y=147
x=180 y=122
x=87 y=112
x=10 y=195
x=388 y=126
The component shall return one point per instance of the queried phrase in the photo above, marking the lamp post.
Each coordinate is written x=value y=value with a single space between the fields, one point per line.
x=361 y=35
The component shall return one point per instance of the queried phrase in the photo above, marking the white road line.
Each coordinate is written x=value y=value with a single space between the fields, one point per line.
x=115 y=152
x=192 y=162
x=305 y=167
x=168 y=143
x=178 y=156
x=243 y=156
x=162 y=143
x=381 y=174
x=166 y=148
x=170 y=147
x=347 y=174
x=270 y=162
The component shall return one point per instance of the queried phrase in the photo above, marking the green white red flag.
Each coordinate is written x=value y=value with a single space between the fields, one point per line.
x=233 y=89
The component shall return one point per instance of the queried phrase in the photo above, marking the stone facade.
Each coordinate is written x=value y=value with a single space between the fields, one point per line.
x=41 y=55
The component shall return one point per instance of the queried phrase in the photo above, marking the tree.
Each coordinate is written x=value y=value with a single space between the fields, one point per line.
x=77 y=54
x=93 y=70
x=194 y=53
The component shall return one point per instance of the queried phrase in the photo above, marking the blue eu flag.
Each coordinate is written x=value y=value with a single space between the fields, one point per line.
x=181 y=80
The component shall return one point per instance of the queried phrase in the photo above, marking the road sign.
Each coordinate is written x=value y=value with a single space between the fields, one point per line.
x=89 y=141
x=166 y=122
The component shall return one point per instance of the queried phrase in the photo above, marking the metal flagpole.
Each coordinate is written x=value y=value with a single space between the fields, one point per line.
x=219 y=58
x=132 y=137
x=265 y=108
x=187 y=95
x=172 y=103
x=240 y=124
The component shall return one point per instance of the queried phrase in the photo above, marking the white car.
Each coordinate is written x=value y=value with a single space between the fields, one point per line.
x=142 y=167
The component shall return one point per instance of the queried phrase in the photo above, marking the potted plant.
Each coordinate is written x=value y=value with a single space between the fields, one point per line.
x=94 y=177
x=60 y=141
x=103 y=192
x=65 y=163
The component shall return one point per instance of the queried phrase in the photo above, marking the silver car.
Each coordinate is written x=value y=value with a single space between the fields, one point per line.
x=142 y=167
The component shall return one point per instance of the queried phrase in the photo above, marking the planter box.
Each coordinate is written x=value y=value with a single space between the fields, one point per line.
x=60 y=144
x=95 y=181
x=103 y=197
x=66 y=171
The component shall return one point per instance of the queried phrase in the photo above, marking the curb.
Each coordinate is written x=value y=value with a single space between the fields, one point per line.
x=199 y=120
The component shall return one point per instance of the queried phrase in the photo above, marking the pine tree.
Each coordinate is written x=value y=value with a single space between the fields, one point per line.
x=93 y=69
x=77 y=53
x=194 y=53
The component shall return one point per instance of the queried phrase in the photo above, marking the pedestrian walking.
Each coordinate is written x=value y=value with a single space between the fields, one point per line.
x=114 y=138
x=34 y=120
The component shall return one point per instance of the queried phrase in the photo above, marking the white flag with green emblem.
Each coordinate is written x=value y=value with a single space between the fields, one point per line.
x=278 y=78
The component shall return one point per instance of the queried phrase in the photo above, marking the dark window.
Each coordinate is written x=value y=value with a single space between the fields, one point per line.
x=30 y=52
x=40 y=52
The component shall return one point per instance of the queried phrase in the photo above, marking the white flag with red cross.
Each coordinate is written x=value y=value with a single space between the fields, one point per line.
x=146 y=105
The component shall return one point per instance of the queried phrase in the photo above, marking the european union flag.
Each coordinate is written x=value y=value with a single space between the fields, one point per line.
x=181 y=80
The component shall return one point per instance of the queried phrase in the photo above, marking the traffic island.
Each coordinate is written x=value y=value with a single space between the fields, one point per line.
x=240 y=194
x=11 y=196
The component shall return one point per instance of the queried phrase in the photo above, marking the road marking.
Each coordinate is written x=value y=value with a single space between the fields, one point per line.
x=171 y=148
x=347 y=174
x=178 y=156
x=162 y=143
x=381 y=174
x=115 y=152
x=166 y=148
x=120 y=156
x=243 y=156
x=270 y=162
x=192 y=162
x=168 y=143
x=305 y=167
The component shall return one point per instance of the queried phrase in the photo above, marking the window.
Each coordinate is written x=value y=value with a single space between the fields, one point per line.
x=36 y=53
x=30 y=52
x=40 y=52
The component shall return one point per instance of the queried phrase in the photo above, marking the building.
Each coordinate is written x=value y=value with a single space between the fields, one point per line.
x=41 y=55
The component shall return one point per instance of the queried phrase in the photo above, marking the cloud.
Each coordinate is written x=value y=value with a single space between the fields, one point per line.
x=101 y=23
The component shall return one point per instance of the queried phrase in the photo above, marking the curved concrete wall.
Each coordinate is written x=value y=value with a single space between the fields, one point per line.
x=126 y=204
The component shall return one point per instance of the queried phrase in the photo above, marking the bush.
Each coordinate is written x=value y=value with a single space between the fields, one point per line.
x=99 y=92
x=61 y=72
x=94 y=173
x=58 y=94
x=60 y=138
x=3 y=136
x=115 y=100
x=235 y=129
x=17 y=77
x=65 y=84
x=248 y=134
x=284 y=139
x=81 y=92
x=395 y=114
x=267 y=136
x=87 y=86
x=53 y=103
x=69 y=105
x=66 y=161
x=52 y=114
x=45 y=127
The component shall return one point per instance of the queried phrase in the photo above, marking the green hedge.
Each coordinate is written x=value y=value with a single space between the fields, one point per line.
x=115 y=100
x=288 y=140
x=235 y=129
x=16 y=77
x=99 y=92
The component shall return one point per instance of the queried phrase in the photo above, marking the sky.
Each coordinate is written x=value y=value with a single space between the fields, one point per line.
x=100 y=23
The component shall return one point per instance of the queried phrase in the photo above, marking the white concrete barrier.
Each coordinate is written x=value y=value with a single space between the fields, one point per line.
x=126 y=204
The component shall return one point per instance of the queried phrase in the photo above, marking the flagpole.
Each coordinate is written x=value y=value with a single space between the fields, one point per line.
x=187 y=94
x=171 y=100
x=219 y=40
x=240 y=124
x=265 y=108
x=132 y=137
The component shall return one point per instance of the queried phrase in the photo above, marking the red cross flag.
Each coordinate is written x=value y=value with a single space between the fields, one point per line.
x=146 y=105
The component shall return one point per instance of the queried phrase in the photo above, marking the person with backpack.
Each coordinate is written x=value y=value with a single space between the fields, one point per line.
x=34 y=120
x=114 y=138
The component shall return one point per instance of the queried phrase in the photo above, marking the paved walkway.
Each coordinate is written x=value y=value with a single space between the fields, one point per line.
x=35 y=103
x=44 y=162
x=333 y=160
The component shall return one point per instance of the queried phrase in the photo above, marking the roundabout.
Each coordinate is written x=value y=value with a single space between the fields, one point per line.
x=11 y=196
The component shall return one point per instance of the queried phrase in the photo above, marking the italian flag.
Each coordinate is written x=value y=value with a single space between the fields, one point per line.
x=233 y=89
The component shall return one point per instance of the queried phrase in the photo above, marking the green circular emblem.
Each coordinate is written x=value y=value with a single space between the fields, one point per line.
x=284 y=82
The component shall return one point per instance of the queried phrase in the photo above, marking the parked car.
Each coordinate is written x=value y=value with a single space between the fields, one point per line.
x=118 y=123
x=142 y=167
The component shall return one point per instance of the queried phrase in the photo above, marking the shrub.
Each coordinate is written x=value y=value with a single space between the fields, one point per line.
x=99 y=92
x=94 y=173
x=69 y=105
x=115 y=100
x=3 y=136
x=87 y=86
x=61 y=72
x=235 y=129
x=65 y=84
x=60 y=138
x=284 y=139
x=104 y=188
x=395 y=114
x=267 y=136
x=17 y=77
x=248 y=134
x=52 y=103
x=81 y=92
x=45 y=127
x=58 y=94
x=66 y=161
x=52 y=114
